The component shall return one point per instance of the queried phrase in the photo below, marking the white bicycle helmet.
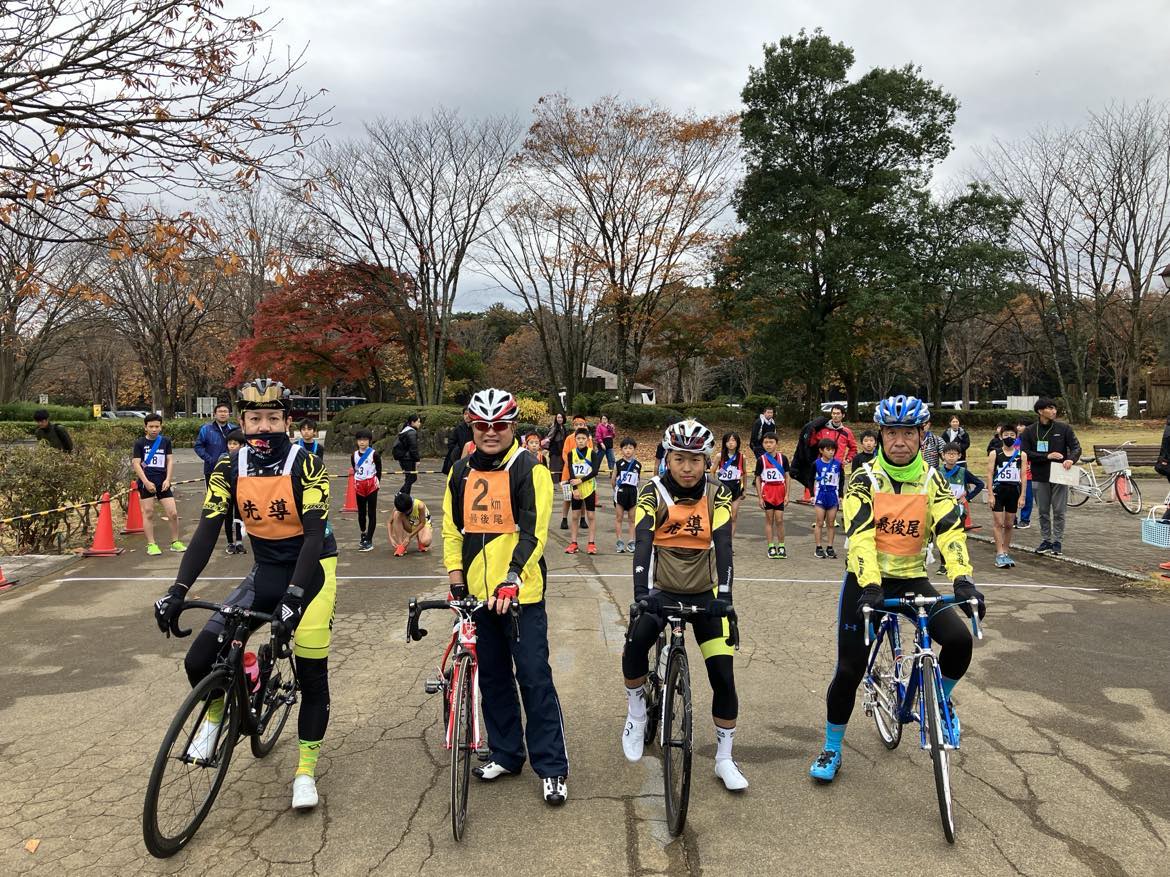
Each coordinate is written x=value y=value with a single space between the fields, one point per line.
x=493 y=405
x=689 y=436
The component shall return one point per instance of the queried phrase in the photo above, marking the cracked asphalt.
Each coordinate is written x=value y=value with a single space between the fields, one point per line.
x=1064 y=769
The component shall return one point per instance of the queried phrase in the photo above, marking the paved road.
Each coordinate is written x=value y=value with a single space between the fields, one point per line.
x=1064 y=767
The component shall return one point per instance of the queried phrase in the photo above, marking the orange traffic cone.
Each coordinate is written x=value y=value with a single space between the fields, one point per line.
x=103 y=538
x=350 y=494
x=133 y=512
x=6 y=583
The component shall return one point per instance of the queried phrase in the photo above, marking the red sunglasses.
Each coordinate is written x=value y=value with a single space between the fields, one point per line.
x=494 y=425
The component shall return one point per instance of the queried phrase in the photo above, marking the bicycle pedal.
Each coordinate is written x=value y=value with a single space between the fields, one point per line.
x=433 y=686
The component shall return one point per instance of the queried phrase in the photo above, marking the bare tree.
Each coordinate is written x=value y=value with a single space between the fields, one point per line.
x=534 y=254
x=648 y=186
x=106 y=101
x=411 y=199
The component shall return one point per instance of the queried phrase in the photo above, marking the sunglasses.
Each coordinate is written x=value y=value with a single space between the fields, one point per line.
x=492 y=425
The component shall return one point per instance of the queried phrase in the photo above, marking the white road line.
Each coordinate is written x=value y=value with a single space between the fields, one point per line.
x=434 y=578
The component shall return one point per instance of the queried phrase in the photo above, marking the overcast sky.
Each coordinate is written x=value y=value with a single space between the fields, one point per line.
x=1013 y=65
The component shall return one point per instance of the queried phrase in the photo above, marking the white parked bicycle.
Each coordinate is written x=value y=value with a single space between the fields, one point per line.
x=1118 y=482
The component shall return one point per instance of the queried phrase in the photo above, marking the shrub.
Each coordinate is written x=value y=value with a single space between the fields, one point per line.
x=384 y=420
x=979 y=418
x=591 y=404
x=627 y=416
x=25 y=410
x=533 y=410
x=757 y=402
x=41 y=478
x=718 y=416
x=111 y=434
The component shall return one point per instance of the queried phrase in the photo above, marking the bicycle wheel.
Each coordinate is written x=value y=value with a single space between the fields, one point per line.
x=652 y=692
x=676 y=740
x=882 y=685
x=1078 y=494
x=462 y=750
x=181 y=791
x=932 y=711
x=1128 y=494
x=274 y=702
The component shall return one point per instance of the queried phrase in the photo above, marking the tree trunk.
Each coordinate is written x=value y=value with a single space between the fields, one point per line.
x=322 y=402
x=966 y=389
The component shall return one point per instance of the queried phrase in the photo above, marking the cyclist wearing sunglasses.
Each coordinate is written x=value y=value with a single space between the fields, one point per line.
x=496 y=512
x=281 y=492
x=683 y=523
x=895 y=504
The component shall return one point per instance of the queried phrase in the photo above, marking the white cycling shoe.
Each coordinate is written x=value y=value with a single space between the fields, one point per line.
x=304 y=792
x=555 y=790
x=202 y=745
x=733 y=778
x=634 y=738
x=492 y=771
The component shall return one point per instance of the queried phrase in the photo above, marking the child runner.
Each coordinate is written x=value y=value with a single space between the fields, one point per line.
x=683 y=555
x=308 y=439
x=153 y=462
x=624 y=480
x=1024 y=519
x=570 y=445
x=729 y=469
x=583 y=463
x=235 y=441
x=772 y=486
x=1006 y=467
x=532 y=445
x=367 y=474
x=411 y=520
x=963 y=483
x=828 y=483
x=869 y=441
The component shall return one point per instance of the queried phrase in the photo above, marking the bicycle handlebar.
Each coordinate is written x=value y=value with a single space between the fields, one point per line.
x=224 y=609
x=683 y=610
x=922 y=601
x=465 y=607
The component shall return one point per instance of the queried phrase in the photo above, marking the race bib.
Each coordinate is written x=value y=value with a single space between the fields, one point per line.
x=629 y=479
x=732 y=473
x=1008 y=474
x=580 y=470
x=958 y=491
x=566 y=491
x=487 y=503
x=157 y=461
x=829 y=479
x=772 y=476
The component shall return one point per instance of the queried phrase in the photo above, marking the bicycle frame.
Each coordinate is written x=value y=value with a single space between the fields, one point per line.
x=464 y=639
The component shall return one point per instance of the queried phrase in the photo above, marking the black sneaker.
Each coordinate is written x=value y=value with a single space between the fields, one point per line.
x=1023 y=525
x=555 y=791
x=564 y=523
x=820 y=552
x=772 y=551
x=829 y=552
x=1044 y=547
x=781 y=552
x=1055 y=550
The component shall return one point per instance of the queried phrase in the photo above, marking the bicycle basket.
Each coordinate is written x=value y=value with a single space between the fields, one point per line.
x=1156 y=531
x=1114 y=461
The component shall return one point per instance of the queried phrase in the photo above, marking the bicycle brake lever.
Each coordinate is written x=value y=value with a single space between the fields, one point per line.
x=866 y=612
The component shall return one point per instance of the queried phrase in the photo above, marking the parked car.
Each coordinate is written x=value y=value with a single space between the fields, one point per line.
x=129 y=413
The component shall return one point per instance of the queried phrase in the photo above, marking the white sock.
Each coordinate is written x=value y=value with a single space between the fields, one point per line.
x=637 y=703
x=724 y=738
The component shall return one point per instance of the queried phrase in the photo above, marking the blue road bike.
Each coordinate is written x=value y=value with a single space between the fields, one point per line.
x=902 y=687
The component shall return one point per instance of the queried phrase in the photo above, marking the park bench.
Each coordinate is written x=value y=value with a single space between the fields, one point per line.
x=1140 y=456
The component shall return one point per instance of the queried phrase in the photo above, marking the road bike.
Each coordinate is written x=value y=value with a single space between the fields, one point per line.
x=458 y=681
x=901 y=688
x=188 y=773
x=667 y=691
x=1120 y=482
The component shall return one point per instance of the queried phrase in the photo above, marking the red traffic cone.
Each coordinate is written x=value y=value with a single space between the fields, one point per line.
x=6 y=583
x=103 y=538
x=133 y=512
x=350 y=494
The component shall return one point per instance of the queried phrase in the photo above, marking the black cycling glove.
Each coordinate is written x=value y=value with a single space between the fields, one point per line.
x=167 y=609
x=719 y=608
x=871 y=596
x=288 y=614
x=964 y=590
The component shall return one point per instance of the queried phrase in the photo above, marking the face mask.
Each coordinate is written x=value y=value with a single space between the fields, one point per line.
x=1008 y=441
x=268 y=446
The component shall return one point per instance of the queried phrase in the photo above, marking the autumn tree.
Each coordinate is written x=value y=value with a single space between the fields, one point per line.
x=321 y=327
x=645 y=188
x=691 y=335
x=107 y=103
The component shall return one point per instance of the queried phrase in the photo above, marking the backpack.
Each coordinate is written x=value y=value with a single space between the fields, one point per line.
x=399 y=451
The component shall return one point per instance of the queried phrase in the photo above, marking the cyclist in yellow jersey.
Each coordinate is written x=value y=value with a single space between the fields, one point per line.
x=496 y=512
x=894 y=505
x=281 y=493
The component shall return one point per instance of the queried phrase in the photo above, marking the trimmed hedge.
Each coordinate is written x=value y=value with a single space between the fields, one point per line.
x=25 y=411
x=627 y=416
x=103 y=433
x=384 y=420
x=979 y=418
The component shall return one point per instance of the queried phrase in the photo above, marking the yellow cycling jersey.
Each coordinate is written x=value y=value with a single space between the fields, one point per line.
x=889 y=525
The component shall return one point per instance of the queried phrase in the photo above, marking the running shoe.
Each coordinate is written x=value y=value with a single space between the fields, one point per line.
x=591 y=548
x=1009 y=560
x=820 y=552
x=826 y=767
x=1045 y=547
x=829 y=552
x=178 y=547
x=564 y=523
x=620 y=548
x=1056 y=550
x=1001 y=561
x=365 y=546
x=240 y=549
x=1023 y=525
x=153 y=550
x=772 y=551
x=1165 y=565
x=781 y=552
x=572 y=549
x=400 y=551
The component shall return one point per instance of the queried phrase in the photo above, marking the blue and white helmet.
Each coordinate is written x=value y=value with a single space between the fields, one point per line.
x=901 y=411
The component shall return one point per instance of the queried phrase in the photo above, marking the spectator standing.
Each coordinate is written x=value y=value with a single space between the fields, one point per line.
x=405 y=451
x=210 y=445
x=836 y=431
x=1048 y=442
x=459 y=437
x=1024 y=519
x=932 y=447
x=153 y=462
x=764 y=424
x=53 y=433
x=955 y=434
x=604 y=434
x=554 y=443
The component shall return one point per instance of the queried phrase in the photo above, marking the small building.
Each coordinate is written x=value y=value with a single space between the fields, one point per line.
x=598 y=379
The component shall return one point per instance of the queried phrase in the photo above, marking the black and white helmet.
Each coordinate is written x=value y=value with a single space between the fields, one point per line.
x=690 y=436
x=493 y=405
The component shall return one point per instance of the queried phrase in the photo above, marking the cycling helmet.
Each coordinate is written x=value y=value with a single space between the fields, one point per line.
x=493 y=405
x=901 y=411
x=690 y=436
x=262 y=394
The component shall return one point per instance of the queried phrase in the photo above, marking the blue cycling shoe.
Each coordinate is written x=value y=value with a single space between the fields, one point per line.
x=824 y=769
x=954 y=729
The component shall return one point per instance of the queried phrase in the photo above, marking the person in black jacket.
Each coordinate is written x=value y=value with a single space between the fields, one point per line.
x=460 y=436
x=406 y=451
x=765 y=423
x=1045 y=443
x=54 y=433
x=955 y=433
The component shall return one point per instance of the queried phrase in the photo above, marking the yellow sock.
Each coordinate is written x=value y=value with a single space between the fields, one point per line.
x=308 y=762
x=215 y=710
